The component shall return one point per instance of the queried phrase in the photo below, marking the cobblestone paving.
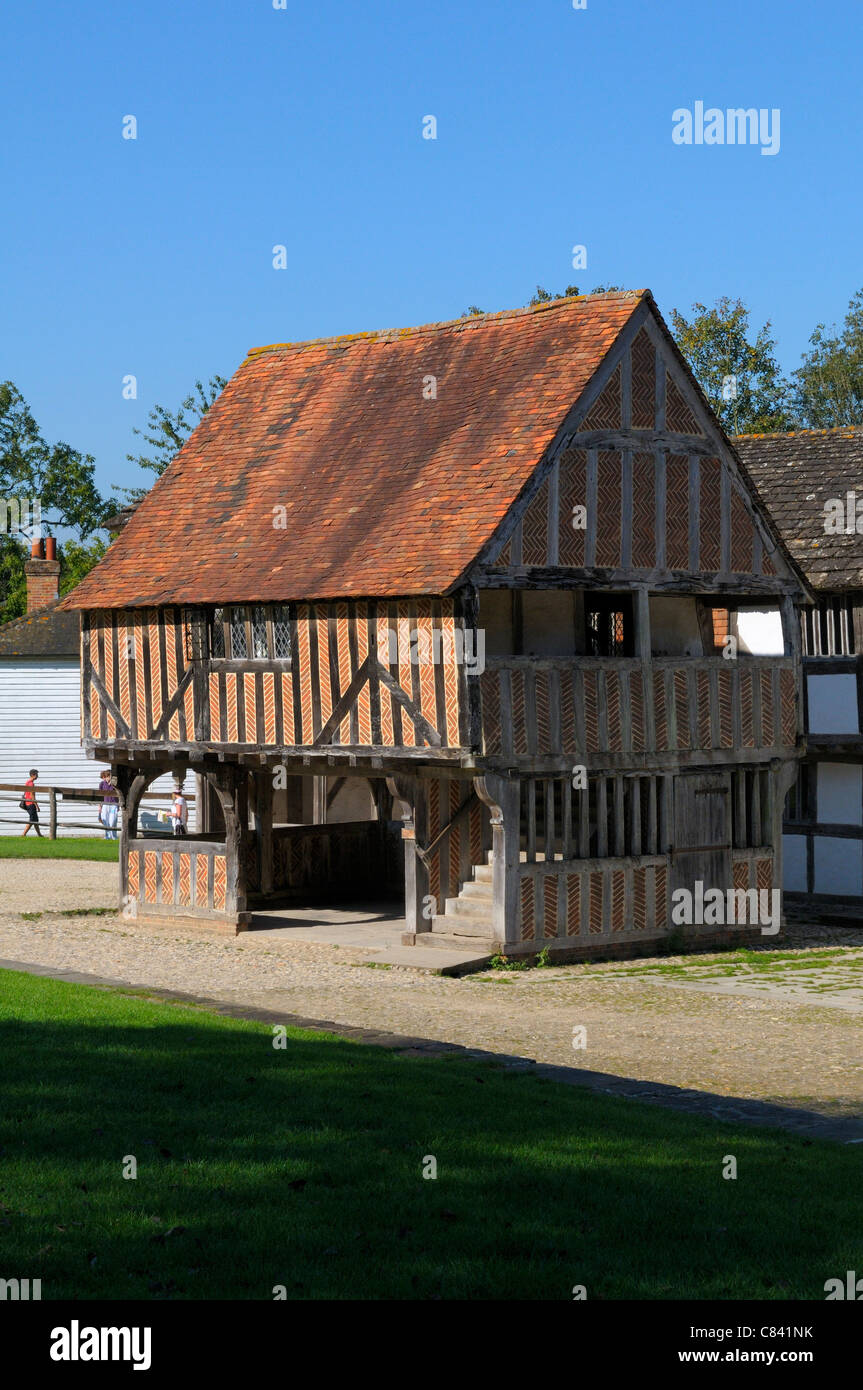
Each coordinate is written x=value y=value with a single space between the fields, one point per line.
x=786 y=1027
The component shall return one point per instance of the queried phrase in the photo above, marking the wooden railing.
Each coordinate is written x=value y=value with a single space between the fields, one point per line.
x=12 y=792
x=551 y=708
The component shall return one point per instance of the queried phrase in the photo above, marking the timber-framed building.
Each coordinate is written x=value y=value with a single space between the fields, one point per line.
x=477 y=580
x=811 y=483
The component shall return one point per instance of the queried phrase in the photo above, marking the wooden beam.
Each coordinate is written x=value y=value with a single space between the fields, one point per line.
x=657 y=581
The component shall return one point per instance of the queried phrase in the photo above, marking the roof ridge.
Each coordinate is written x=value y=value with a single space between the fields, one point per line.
x=792 y=434
x=464 y=321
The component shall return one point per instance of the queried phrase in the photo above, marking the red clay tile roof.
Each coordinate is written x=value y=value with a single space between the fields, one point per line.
x=387 y=493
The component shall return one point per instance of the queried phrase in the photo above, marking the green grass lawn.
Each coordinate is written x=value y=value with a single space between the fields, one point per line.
x=302 y=1167
x=71 y=847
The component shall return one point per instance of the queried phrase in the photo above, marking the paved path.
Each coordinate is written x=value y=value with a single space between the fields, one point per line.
x=686 y=1030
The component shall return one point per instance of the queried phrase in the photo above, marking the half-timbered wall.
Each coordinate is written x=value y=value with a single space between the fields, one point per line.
x=646 y=469
x=593 y=863
x=604 y=903
x=540 y=709
x=169 y=878
x=360 y=675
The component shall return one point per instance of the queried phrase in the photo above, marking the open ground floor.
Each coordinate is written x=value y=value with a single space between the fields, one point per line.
x=579 y=864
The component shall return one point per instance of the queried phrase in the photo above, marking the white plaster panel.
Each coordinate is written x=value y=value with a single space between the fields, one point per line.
x=794 y=863
x=840 y=793
x=838 y=865
x=832 y=704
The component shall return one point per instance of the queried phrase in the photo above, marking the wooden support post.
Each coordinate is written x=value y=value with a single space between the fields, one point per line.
x=264 y=829
x=52 y=813
x=202 y=805
x=130 y=783
x=791 y=637
x=782 y=777
x=319 y=800
x=643 y=640
x=232 y=785
x=503 y=798
x=411 y=794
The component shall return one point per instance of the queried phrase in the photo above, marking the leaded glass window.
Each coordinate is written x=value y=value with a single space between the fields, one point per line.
x=281 y=634
x=217 y=633
x=239 y=644
x=260 y=648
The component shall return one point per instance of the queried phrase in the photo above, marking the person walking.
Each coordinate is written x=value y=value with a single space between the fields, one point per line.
x=29 y=803
x=179 y=811
x=110 y=805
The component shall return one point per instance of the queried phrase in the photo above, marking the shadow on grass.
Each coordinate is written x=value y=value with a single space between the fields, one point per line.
x=259 y=1166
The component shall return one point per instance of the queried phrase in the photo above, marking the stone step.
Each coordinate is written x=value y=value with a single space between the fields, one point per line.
x=482 y=873
x=484 y=891
x=465 y=953
x=465 y=927
x=434 y=956
x=468 y=907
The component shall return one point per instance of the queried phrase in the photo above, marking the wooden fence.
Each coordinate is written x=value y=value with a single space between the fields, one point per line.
x=12 y=792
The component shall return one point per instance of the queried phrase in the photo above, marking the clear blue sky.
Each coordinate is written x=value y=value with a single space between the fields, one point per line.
x=303 y=127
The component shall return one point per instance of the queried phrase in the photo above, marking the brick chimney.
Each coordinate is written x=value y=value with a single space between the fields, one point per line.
x=43 y=574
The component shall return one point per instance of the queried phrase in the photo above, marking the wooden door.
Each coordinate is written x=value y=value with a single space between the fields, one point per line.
x=701 y=849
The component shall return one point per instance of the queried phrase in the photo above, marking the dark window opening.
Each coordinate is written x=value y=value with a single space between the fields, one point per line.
x=608 y=624
x=750 y=808
x=798 y=804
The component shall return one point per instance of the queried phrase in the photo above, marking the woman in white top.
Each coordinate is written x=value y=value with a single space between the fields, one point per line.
x=179 y=811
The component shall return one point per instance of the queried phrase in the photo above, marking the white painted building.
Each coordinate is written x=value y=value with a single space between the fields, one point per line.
x=40 y=714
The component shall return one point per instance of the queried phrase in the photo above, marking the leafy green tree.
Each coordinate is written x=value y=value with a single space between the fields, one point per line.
x=543 y=296
x=166 y=431
x=58 y=475
x=717 y=344
x=828 y=387
x=77 y=559
x=13 y=583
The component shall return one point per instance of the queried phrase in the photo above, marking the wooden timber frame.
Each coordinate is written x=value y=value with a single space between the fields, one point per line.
x=593 y=785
